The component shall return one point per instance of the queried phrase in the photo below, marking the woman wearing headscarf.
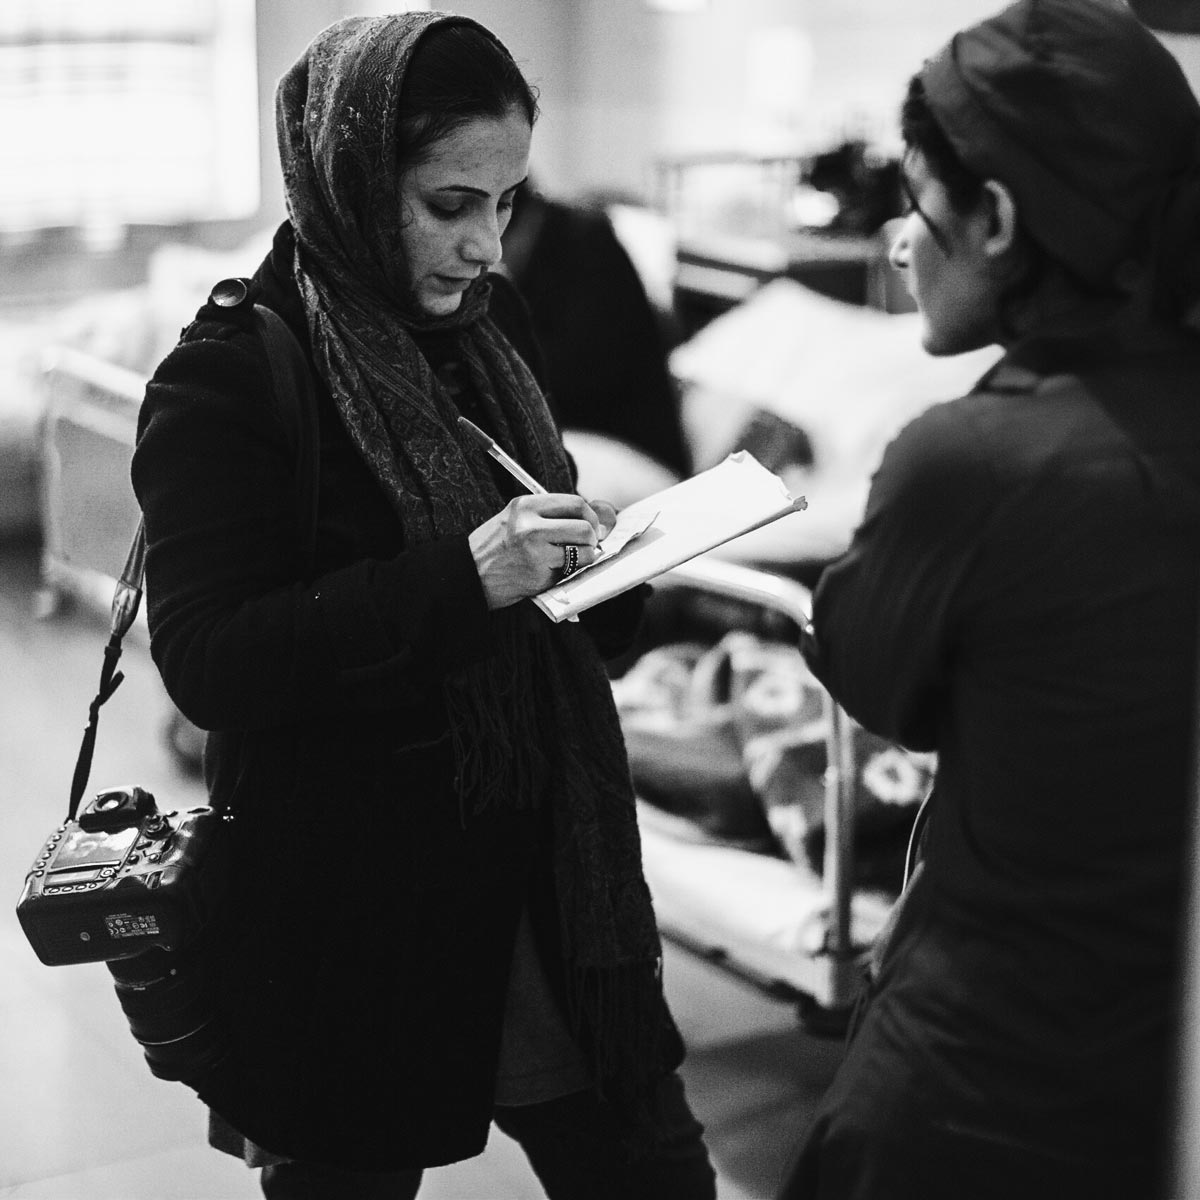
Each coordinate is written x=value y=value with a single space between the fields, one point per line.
x=1021 y=598
x=435 y=915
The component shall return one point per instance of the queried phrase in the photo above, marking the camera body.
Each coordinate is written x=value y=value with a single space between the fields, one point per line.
x=122 y=879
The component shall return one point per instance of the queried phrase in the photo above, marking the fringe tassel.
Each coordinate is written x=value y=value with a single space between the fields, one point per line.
x=617 y=1015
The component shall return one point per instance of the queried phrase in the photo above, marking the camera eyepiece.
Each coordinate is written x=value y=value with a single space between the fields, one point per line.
x=116 y=809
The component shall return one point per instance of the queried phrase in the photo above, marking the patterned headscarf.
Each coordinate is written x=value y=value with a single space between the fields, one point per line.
x=535 y=722
x=337 y=116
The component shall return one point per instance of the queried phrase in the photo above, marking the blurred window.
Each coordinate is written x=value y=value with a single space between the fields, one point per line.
x=119 y=112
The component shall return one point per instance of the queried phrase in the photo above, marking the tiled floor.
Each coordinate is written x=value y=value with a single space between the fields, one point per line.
x=81 y=1118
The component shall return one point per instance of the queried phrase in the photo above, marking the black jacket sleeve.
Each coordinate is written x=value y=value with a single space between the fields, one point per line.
x=886 y=614
x=242 y=638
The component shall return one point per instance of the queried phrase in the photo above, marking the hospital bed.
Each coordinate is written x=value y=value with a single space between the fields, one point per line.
x=88 y=509
x=798 y=937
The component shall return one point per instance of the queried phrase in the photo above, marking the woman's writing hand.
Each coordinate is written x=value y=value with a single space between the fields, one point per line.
x=519 y=551
x=607 y=516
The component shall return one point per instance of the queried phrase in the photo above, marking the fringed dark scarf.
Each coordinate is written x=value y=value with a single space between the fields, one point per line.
x=536 y=721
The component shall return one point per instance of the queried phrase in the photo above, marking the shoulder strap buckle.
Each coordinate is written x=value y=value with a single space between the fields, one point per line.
x=230 y=293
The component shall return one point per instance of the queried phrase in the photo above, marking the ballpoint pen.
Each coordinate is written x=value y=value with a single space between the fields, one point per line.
x=521 y=475
x=510 y=464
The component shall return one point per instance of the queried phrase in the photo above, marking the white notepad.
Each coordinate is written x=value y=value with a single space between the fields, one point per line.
x=672 y=526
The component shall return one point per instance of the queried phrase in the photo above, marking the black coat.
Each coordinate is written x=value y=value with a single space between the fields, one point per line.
x=1022 y=598
x=605 y=351
x=362 y=958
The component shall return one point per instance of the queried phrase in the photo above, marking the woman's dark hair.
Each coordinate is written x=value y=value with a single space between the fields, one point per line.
x=458 y=72
x=921 y=132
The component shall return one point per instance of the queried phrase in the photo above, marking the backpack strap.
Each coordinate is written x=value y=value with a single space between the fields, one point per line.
x=296 y=405
x=291 y=388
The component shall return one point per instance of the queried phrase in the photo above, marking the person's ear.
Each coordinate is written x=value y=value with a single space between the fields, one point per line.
x=1001 y=210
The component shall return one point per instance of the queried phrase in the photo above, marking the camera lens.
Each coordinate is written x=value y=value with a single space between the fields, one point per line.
x=166 y=999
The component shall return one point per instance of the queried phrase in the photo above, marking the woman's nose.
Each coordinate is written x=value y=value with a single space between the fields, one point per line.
x=482 y=243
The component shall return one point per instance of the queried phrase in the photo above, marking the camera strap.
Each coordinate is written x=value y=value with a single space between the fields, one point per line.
x=125 y=604
x=296 y=405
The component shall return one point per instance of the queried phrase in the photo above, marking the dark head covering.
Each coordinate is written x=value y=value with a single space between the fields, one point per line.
x=535 y=722
x=1087 y=117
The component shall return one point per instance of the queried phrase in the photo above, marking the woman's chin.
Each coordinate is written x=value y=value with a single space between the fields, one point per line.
x=440 y=304
x=945 y=343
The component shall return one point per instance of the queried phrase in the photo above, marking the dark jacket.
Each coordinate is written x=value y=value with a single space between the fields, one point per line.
x=362 y=957
x=1022 y=598
x=605 y=352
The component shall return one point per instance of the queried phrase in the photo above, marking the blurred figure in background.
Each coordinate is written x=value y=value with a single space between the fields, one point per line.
x=604 y=344
x=1021 y=598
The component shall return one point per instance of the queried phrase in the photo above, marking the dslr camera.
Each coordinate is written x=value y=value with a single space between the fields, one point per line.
x=130 y=886
x=120 y=879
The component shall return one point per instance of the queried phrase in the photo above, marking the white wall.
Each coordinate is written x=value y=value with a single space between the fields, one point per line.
x=538 y=34
x=623 y=84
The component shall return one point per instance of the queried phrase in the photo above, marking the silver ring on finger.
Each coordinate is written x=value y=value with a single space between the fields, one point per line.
x=570 y=560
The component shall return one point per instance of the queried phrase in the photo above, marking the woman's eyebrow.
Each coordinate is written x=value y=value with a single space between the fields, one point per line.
x=474 y=191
